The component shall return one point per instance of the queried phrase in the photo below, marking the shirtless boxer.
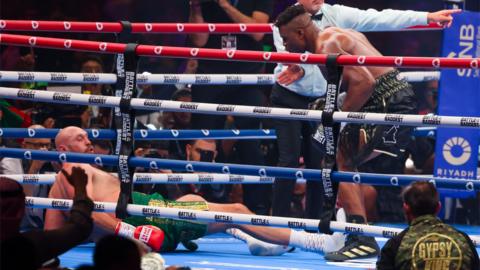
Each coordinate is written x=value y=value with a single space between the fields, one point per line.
x=368 y=89
x=104 y=187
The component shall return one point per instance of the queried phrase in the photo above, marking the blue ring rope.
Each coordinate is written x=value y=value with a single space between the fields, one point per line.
x=281 y=172
x=144 y=134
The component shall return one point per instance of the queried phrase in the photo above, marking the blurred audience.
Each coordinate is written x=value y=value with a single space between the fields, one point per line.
x=36 y=245
x=114 y=252
x=95 y=115
x=177 y=121
x=34 y=218
x=223 y=11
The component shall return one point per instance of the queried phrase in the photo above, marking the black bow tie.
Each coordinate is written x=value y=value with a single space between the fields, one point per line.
x=317 y=17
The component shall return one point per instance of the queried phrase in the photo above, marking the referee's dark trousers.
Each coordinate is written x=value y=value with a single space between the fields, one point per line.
x=294 y=139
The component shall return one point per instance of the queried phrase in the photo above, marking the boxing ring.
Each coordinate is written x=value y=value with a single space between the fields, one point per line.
x=217 y=251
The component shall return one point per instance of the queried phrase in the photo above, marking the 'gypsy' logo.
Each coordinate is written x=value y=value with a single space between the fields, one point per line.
x=436 y=249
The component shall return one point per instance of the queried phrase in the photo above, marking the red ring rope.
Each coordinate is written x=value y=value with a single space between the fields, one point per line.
x=182 y=28
x=253 y=56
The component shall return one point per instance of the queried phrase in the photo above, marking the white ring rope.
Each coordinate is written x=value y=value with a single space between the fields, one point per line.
x=420 y=76
x=159 y=178
x=239 y=110
x=216 y=79
x=212 y=216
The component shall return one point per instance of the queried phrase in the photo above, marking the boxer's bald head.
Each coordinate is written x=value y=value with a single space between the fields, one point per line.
x=73 y=139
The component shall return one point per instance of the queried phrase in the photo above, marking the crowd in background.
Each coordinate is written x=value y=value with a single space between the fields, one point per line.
x=52 y=116
x=25 y=114
x=420 y=154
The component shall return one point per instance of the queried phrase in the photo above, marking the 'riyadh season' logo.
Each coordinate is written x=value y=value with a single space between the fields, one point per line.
x=457 y=151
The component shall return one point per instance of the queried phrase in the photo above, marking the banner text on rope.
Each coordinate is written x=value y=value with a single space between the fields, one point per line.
x=456 y=153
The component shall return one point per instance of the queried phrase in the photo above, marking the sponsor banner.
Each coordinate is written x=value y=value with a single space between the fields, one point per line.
x=457 y=148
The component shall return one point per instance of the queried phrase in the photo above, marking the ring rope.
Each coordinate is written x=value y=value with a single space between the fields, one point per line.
x=427 y=132
x=239 y=169
x=216 y=79
x=160 y=178
x=242 y=55
x=145 y=134
x=150 y=28
x=239 y=110
x=223 y=217
x=173 y=134
x=420 y=76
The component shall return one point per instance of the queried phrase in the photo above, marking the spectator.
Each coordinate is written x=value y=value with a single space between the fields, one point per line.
x=92 y=64
x=178 y=120
x=408 y=250
x=97 y=115
x=224 y=11
x=34 y=218
x=102 y=147
x=157 y=149
x=113 y=252
x=206 y=151
x=150 y=119
x=29 y=250
x=12 y=116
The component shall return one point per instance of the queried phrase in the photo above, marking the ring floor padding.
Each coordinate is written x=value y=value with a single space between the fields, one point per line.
x=222 y=252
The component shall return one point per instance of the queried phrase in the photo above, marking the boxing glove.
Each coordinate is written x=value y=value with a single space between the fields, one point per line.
x=148 y=234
